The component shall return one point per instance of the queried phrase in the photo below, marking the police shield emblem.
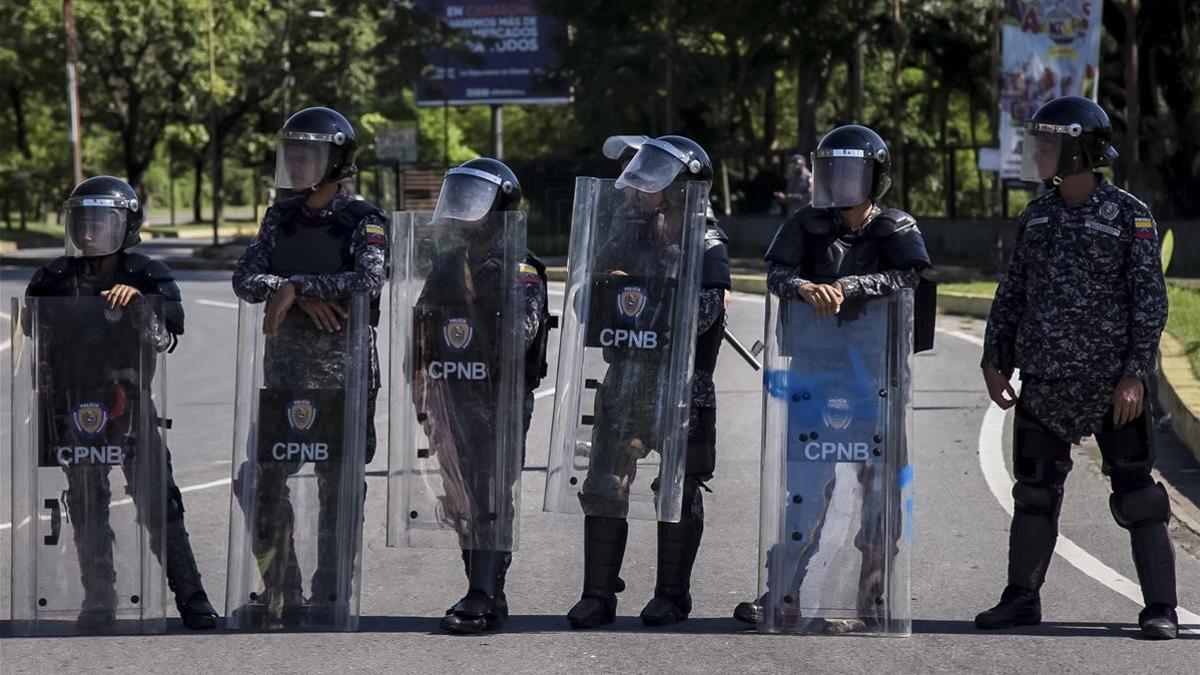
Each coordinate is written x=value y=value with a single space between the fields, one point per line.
x=90 y=418
x=837 y=414
x=301 y=414
x=457 y=332
x=631 y=301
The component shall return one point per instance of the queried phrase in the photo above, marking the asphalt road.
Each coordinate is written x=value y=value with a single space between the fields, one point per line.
x=959 y=449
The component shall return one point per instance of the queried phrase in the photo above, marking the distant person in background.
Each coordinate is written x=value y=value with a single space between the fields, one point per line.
x=799 y=187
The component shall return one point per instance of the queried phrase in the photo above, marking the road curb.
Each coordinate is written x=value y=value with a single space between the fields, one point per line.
x=964 y=304
x=1179 y=391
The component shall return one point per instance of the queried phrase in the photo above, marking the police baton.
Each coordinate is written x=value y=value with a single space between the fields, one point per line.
x=745 y=353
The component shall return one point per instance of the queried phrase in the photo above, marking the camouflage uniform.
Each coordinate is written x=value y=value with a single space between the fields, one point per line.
x=300 y=356
x=1082 y=305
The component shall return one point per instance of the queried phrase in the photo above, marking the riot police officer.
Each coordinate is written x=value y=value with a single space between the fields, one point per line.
x=471 y=292
x=652 y=165
x=314 y=250
x=103 y=219
x=843 y=248
x=1079 y=312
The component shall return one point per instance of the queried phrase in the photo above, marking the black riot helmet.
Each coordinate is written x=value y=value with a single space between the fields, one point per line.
x=315 y=145
x=103 y=216
x=1068 y=135
x=850 y=165
x=477 y=187
x=663 y=160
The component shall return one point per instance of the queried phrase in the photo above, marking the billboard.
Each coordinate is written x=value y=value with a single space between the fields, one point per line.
x=1050 y=48
x=512 y=56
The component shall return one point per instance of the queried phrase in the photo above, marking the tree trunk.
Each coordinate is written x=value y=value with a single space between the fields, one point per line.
x=770 y=115
x=855 y=80
x=198 y=188
x=14 y=96
x=899 y=48
x=218 y=183
x=810 y=85
x=1130 y=158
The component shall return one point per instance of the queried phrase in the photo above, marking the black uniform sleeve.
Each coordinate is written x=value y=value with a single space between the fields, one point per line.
x=164 y=282
x=715 y=270
x=784 y=257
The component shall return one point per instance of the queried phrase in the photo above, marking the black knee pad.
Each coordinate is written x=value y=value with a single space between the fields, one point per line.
x=1039 y=457
x=1149 y=504
x=1039 y=499
x=1129 y=449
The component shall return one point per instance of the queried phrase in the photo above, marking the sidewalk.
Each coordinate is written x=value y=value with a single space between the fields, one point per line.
x=183 y=254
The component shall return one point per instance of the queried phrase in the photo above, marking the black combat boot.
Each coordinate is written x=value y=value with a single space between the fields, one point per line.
x=677 y=547
x=485 y=606
x=603 y=551
x=1018 y=607
x=1159 y=622
x=184 y=579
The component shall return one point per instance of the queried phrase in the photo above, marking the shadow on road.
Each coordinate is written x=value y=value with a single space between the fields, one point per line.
x=1086 y=629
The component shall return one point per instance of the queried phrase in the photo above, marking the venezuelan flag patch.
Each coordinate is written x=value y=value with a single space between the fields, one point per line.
x=376 y=236
x=1143 y=228
x=529 y=274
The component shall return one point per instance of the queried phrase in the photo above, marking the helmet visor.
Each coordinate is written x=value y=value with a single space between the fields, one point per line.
x=300 y=164
x=616 y=146
x=841 y=178
x=467 y=194
x=654 y=167
x=95 y=227
x=1040 y=155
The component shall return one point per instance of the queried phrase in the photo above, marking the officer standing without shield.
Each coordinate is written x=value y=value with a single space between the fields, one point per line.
x=1079 y=312
x=308 y=379
x=469 y=332
x=838 y=253
x=100 y=316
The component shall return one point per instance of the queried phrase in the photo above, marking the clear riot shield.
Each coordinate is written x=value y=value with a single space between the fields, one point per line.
x=296 y=509
x=619 y=441
x=88 y=466
x=836 y=515
x=455 y=433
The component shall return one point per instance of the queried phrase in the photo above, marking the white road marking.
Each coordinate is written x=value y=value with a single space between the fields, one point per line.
x=217 y=303
x=129 y=500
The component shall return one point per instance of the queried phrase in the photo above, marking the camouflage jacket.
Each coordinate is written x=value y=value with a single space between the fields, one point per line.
x=253 y=282
x=1082 y=304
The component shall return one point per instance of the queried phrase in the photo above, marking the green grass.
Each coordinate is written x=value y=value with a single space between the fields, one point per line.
x=35 y=234
x=1183 y=321
x=987 y=288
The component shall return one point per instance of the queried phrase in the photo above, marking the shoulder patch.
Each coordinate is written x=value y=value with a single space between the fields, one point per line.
x=528 y=273
x=1040 y=220
x=376 y=235
x=1143 y=228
